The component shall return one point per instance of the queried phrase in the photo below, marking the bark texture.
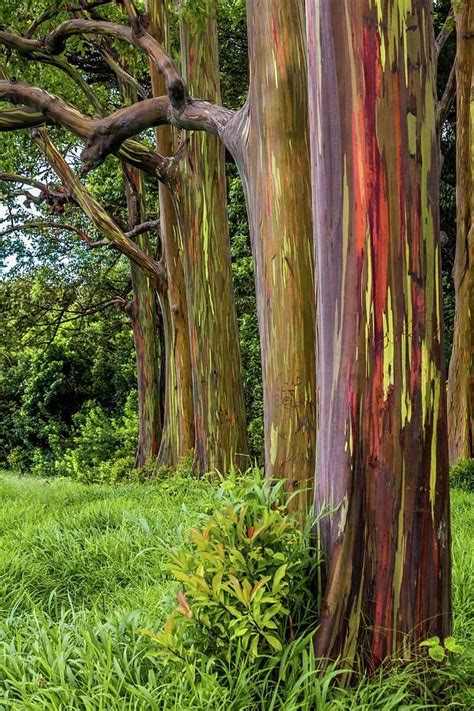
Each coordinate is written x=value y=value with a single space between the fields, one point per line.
x=381 y=458
x=219 y=415
x=461 y=368
x=144 y=317
x=272 y=151
x=178 y=429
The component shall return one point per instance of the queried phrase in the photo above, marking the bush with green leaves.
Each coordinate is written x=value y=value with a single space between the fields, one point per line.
x=103 y=447
x=247 y=576
x=462 y=475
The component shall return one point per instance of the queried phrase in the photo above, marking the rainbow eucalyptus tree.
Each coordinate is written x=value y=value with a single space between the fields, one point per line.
x=178 y=427
x=381 y=461
x=269 y=140
x=200 y=188
x=461 y=375
x=144 y=318
x=197 y=243
x=143 y=313
x=192 y=201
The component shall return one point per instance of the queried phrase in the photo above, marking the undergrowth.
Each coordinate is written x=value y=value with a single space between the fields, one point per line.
x=84 y=570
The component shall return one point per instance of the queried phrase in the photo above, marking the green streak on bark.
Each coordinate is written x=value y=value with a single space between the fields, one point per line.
x=461 y=367
x=144 y=317
x=218 y=395
x=381 y=456
x=178 y=431
x=273 y=158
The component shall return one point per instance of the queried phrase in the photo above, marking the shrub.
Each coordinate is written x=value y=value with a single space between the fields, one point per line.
x=103 y=447
x=462 y=475
x=247 y=577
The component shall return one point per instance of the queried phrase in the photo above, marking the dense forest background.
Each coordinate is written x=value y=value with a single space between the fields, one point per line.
x=68 y=401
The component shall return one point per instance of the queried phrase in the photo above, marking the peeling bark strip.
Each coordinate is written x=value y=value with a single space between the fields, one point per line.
x=461 y=367
x=219 y=415
x=269 y=140
x=381 y=448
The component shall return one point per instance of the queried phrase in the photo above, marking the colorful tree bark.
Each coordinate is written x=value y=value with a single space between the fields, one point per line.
x=219 y=415
x=178 y=428
x=381 y=457
x=461 y=368
x=144 y=318
x=269 y=139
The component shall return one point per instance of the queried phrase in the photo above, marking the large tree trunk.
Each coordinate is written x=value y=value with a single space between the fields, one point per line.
x=219 y=415
x=143 y=314
x=272 y=153
x=178 y=426
x=381 y=458
x=461 y=375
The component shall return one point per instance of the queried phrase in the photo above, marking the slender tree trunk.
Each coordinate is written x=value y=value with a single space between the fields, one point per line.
x=219 y=414
x=381 y=458
x=178 y=428
x=272 y=152
x=461 y=368
x=143 y=314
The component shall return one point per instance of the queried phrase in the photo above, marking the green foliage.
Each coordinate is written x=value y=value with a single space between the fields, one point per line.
x=57 y=362
x=84 y=568
x=244 y=567
x=103 y=447
x=462 y=475
x=438 y=649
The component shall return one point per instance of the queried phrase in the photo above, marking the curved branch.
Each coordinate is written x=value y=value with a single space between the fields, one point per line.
x=97 y=214
x=148 y=226
x=102 y=136
x=184 y=111
x=445 y=31
x=55 y=42
x=29 y=49
x=53 y=195
x=52 y=11
x=55 y=226
x=16 y=178
x=444 y=104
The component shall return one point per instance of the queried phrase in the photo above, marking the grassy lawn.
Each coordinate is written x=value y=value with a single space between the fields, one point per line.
x=82 y=571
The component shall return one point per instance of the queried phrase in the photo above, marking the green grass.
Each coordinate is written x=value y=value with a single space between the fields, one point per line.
x=82 y=571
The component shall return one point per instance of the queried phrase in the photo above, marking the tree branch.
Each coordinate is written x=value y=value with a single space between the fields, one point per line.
x=47 y=225
x=16 y=178
x=445 y=31
x=97 y=214
x=23 y=46
x=55 y=42
x=52 y=11
x=102 y=136
x=184 y=111
x=21 y=117
x=53 y=195
x=444 y=104
x=147 y=226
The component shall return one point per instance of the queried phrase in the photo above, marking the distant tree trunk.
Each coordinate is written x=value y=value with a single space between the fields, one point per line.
x=143 y=314
x=381 y=458
x=271 y=148
x=178 y=427
x=461 y=368
x=219 y=415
